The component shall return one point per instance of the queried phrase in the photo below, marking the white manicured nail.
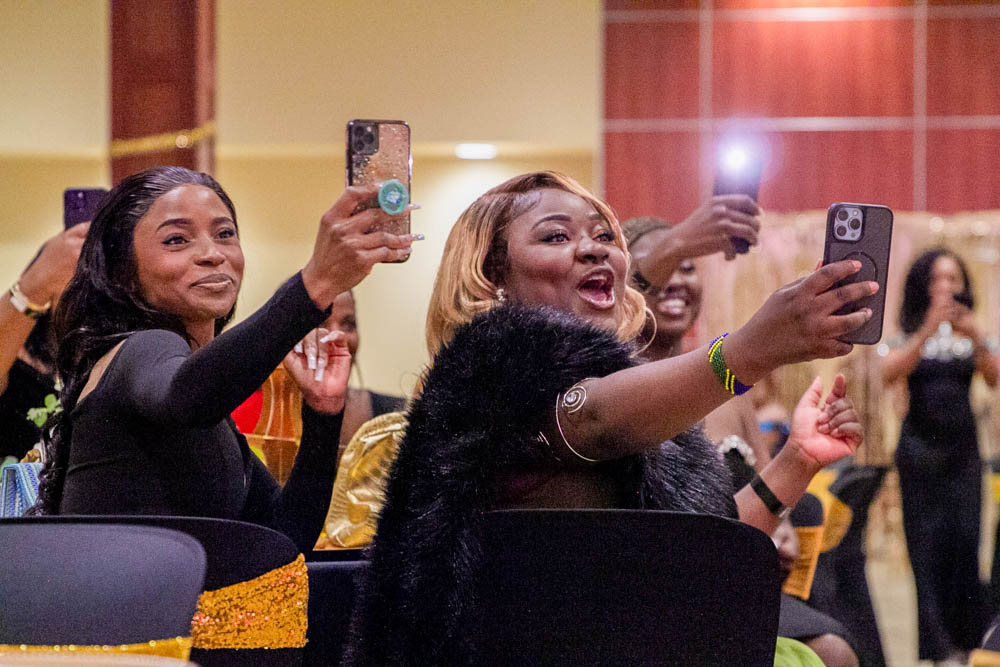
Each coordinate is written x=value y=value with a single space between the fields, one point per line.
x=298 y=347
x=319 y=374
x=311 y=360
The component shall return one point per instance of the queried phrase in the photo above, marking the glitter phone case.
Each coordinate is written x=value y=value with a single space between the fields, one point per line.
x=861 y=232
x=379 y=150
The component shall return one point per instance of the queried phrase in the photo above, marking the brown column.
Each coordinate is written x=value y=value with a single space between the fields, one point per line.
x=162 y=85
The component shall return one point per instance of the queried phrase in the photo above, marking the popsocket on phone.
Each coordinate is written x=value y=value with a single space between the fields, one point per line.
x=393 y=197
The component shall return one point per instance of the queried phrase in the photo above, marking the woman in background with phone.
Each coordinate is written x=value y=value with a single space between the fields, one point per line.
x=940 y=473
x=27 y=349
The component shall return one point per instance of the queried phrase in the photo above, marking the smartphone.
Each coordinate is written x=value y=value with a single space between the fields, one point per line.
x=737 y=172
x=379 y=150
x=862 y=232
x=81 y=204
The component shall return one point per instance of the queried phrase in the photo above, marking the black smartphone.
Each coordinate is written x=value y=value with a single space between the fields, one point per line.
x=861 y=232
x=81 y=204
x=737 y=172
x=379 y=151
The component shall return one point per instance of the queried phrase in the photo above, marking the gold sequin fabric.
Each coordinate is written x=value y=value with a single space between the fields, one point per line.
x=268 y=611
x=178 y=647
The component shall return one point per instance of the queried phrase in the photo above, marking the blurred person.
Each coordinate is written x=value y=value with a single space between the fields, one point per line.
x=361 y=404
x=533 y=399
x=27 y=348
x=150 y=378
x=940 y=349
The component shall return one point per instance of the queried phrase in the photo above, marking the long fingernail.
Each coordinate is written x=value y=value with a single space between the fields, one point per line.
x=418 y=237
x=298 y=348
x=414 y=207
x=311 y=361
x=330 y=336
x=318 y=376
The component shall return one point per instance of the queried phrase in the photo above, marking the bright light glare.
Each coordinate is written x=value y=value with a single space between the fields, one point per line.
x=476 y=151
x=735 y=159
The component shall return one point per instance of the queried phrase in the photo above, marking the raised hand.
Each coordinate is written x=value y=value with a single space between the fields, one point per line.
x=349 y=243
x=797 y=323
x=320 y=364
x=711 y=227
x=823 y=432
x=49 y=274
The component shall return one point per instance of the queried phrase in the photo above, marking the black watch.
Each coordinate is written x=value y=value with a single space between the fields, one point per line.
x=771 y=502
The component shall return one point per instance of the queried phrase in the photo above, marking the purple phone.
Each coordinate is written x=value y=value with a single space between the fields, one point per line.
x=81 y=204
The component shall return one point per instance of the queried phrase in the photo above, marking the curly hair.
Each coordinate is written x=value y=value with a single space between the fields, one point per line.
x=103 y=304
x=916 y=295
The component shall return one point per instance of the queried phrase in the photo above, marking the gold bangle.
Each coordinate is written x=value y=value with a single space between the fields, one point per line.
x=24 y=305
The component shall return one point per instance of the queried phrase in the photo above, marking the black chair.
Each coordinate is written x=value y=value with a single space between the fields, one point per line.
x=96 y=584
x=236 y=552
x=333 y=583
x=626 y=587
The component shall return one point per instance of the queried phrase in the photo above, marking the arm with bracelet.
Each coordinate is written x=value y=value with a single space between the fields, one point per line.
x=604 y=418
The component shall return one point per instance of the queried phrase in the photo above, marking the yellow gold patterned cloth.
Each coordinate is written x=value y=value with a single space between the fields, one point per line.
x=178 y=647
x=359 y=489
x=268 y=611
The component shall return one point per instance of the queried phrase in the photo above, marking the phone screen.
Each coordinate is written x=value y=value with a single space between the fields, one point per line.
x=81 y=204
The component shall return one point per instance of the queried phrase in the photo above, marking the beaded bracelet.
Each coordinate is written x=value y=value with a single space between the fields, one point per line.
x=726 y=376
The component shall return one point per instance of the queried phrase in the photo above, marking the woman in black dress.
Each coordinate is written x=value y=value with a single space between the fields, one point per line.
x=150 y=382
x=940 y=474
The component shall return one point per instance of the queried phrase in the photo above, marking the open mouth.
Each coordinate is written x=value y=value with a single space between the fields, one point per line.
x=598 y=289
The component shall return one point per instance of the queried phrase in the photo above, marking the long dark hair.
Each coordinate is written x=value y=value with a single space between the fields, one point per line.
x=103 y=304
x=916 y=295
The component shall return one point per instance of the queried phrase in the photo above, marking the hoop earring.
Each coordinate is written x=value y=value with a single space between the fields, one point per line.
x=501 y=296
x=649 y=341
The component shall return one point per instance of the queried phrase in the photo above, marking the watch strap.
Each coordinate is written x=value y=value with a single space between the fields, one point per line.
x=766 y=495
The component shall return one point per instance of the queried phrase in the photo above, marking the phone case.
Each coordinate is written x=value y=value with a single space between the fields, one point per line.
x=378 y=160
x=81 y=204
x=872 y=250
x=745 y=183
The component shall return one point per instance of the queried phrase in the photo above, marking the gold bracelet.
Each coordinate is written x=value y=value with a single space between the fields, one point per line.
x=24 y=305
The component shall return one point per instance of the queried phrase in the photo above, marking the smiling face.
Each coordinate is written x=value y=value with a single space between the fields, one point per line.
x=188 y=258
x=675 y=305
x=562 y=253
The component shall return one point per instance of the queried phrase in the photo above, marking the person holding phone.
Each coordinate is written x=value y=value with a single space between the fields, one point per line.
x=150 y=378
x=27 y=349
x=940 y=473
x=533 y=400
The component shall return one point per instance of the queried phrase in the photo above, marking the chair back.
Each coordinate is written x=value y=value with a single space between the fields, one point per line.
x=97 y=584
x=626 y=587
x=237 y=552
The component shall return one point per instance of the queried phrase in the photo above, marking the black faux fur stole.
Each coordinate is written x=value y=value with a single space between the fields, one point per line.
x=486 y=397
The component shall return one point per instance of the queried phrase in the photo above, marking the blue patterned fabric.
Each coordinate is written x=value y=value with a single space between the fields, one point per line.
x=18 y=488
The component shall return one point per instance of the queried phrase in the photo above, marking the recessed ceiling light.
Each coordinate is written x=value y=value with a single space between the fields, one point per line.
x=476 y=151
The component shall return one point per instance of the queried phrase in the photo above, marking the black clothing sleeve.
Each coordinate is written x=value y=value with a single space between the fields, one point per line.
x=299 y=508
x=169 y=385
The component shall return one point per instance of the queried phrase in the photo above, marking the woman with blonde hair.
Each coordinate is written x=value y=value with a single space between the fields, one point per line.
x=534 y=399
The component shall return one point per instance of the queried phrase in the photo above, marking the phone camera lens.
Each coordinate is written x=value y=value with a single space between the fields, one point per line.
x=855 y=224
x=369 y=138
x=842 y=214
x=841 y=231
x=358 y=130
x=359 y=145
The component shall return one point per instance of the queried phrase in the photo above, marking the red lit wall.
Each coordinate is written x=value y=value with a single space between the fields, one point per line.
x=889 y=102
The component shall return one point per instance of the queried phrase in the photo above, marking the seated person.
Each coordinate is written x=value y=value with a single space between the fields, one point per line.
x=27 y=348
x=533 y=400
x=150 y=379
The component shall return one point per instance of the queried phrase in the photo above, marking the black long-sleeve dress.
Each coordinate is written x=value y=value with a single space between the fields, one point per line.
x=940 y=479
x=155 y=437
